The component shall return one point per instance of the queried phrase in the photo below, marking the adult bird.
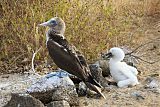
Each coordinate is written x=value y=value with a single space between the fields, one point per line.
x=122 y=73
x=66 y=56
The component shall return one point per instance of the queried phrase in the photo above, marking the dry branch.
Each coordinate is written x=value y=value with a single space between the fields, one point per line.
x=142 y=45
x=34 y=54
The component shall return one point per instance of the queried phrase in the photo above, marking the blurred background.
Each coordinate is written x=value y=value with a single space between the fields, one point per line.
x=93 y=26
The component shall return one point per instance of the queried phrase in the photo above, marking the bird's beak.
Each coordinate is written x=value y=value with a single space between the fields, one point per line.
x=107 y=56
x=44 y=24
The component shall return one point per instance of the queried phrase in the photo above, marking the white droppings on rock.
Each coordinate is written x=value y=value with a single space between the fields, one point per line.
x=47 y=83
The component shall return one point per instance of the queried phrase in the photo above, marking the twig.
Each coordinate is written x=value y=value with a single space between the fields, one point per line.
x=152 y=41
x=144 y=60
x=138 y=57
x=34 y=54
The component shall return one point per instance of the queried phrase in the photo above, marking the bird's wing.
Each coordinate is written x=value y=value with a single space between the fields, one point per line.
x=80 y=57
x=70 y=54
x=81 y=60
x=132 y=69
x=126 y=71
x=68 y=58
x=63 y=43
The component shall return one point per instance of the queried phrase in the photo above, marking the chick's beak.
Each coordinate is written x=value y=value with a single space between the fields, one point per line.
x=107 y=56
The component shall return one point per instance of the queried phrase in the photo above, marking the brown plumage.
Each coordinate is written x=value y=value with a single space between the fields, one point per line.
x=66 y=56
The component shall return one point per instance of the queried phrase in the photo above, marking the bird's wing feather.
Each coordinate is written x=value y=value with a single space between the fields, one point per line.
x=72 y=50
x=80 y=57
x=124 y=70
x=132 y=69
x=69 y=52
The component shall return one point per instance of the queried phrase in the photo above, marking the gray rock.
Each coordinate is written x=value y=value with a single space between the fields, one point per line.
x=85 y=91
x=68 y=94
x=96 y=72
x=149 y=79
x=82 y=90
x=103 y=64
x=153 y=84
x=23 y=100
x=62 y=103
x=137 y=95
x=53 y=87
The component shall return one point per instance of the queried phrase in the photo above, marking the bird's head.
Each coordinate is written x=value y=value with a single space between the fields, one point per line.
x=115 y=53
x=56 y=24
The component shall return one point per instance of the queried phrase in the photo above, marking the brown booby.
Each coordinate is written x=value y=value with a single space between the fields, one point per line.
x=66 y=56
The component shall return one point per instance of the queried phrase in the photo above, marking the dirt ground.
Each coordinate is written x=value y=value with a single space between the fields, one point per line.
x=116 y=97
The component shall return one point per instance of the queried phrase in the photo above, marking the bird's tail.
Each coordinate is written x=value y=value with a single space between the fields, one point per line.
x=95 y=88
x=93 y=81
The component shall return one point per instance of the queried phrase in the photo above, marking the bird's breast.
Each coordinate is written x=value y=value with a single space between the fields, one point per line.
x=115 y=72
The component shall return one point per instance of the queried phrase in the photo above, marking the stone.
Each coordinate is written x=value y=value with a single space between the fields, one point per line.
x=137 y=95
x=104 y=65
x=82 y=90
x=96 y=72
x=62 y=103
x=55 y=86
x=85 y=91
x=68 y=94
x=23 y=100
x=153 y=85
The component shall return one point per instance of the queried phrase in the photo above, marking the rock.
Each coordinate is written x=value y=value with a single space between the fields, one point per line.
x=85 y=91
x=152 y=83
x=82 y=90
x=96 y=72
x=130 y=60
x=55 y=86
x=68 y=94
x=103 y=64
x=23 y=100
x=137 y=95
x=149 y=79
x=62 y=103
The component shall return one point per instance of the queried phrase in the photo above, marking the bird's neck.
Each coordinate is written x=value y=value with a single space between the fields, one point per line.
x=55 y=32
x=52 y=34
x=114 y=61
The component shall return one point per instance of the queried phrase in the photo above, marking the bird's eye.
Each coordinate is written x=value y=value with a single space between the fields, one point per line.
x=53 y=22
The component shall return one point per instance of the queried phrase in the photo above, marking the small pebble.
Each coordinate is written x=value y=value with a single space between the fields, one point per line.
x=137 y=95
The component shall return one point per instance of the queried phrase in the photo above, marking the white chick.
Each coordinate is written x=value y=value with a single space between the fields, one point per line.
x=122 y=73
